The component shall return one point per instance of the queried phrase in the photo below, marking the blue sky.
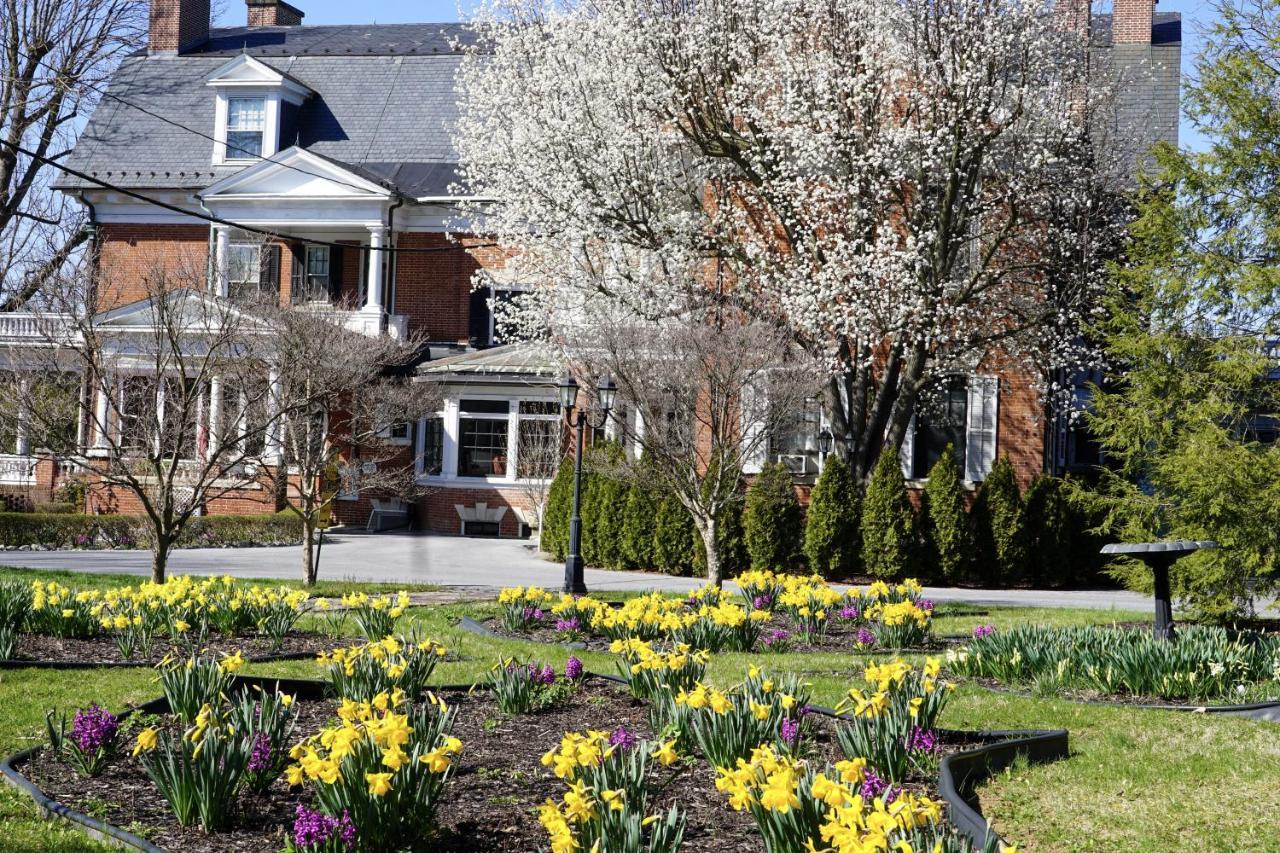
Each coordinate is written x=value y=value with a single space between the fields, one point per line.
x=1196 y=15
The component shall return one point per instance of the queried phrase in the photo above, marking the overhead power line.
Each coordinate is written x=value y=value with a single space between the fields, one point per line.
x=218 y=220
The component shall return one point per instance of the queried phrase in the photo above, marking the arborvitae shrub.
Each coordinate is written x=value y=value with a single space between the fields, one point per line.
x=832 y=531
x=888 y=525
x=603 y=504
x=1062 y=550
x=945 y=522
x=675 y=539
x=998 y=527
x=554 y=537
x=772 y=520
x=638 y=522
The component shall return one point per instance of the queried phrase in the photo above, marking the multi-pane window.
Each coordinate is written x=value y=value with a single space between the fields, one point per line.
x=246 y=124
x=244 y=270
x=137 y=412
x=482 y=438
x=316 y=284
x=941 y=420
x=796 y=443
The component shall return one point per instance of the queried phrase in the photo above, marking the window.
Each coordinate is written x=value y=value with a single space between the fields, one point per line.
x=482 y=438
x=539 y=434
x=316 y=277
x=796 y=444
x=246 y=126
x=433 y=446
x=137 y=412
x=941 y=418
x=244 y=270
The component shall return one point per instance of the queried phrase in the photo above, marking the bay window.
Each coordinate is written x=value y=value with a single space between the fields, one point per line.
x=482 y=438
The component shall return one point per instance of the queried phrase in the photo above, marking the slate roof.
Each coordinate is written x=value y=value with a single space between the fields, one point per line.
x=386 y=104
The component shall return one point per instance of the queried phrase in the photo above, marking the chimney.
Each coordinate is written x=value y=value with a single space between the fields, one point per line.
x=1131 y=21
x=273 y=13
x=177 y=25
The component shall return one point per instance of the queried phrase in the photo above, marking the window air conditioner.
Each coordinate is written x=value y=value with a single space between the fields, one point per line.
x=796 y=463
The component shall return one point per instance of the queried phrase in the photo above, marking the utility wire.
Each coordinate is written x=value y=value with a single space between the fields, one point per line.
x=218 y=220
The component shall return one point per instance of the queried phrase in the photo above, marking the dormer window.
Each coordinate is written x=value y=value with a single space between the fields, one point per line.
x=246 y=126
x=255 y=108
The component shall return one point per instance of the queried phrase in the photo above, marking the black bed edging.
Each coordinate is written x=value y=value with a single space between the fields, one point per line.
x=1260 y=711
x=959 y=774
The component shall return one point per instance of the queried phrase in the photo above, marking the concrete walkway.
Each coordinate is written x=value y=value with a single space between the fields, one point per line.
x=483 y=564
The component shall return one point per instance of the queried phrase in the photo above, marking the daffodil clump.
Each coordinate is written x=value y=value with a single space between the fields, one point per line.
x=1201 y=664
x=523 y=608
x=890 y=721
x=15 y=606
x=811 y=602
x=762 y=588
x=645 y=617
x=224 y=751
x=649 y=672
x=376 y=615
x=727 y=725
x=523 y=686
x=606 y=806
x=721 y=626
x=61 y=611
x=798 y=808
x=362 y=671
x=197 y=681
x=383 y=763
x=900 y=625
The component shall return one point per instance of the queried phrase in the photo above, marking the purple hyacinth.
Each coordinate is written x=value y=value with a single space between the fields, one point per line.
x=865 y=637
x=872 y=785
x=542 y=675
x=94 y=728
x=260 y=757
x=313 y=830
x=925 y=604
x=850 y=612
x=983 y=631
x=531 y=614
x=568 y=624
x=790 y=732
x=573 y=668
x=776 y=636
x=760 y=602
x=623 y=739
x=922 y=740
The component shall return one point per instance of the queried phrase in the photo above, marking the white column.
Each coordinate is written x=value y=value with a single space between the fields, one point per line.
x=449 y=468
x=22 y=436
x=214 y=418
x=101 y=413
x=221 y=270
x=272 y=444
x=373 y=295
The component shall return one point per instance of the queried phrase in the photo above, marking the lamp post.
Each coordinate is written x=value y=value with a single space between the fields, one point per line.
x=573 y=581
x=825 y=441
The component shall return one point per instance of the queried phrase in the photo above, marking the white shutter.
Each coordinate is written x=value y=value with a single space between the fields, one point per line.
x=908 y=452
x=755 y=444
x=980 y=432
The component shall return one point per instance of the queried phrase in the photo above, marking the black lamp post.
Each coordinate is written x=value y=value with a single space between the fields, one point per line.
x=825 y=442
x=573 y=580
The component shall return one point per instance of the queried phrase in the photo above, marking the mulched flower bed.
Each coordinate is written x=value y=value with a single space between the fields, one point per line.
x=490 y=801
x=841 y=636
x=41 y=648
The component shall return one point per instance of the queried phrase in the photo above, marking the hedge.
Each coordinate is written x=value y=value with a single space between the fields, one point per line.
x=999 y=527
x=773 y=522
x=60 y=530
x=832 y=531
x=944 y=521
x=888 y=523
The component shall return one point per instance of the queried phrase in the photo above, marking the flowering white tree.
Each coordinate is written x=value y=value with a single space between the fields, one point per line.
x=907 y=188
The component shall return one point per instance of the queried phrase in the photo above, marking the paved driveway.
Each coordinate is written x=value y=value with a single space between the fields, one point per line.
x=453 y=561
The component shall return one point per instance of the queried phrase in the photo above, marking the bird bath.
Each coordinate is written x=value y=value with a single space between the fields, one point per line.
x=1159 y=556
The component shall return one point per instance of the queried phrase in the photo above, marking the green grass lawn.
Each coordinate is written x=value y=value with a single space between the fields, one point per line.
x=1137 y=780
x=103 y=580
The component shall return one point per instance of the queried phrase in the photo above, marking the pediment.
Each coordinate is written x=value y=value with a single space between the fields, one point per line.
x=247 y=71
x=296 y=174
x=191 y=311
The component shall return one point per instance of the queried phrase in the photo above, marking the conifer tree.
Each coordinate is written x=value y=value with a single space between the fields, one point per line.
x=943 y=517
x=639 y=520
x=888 y=526
x=998 y=526
x=675 y=538
x=772 y=520
x=554 y=537
x=832 y=530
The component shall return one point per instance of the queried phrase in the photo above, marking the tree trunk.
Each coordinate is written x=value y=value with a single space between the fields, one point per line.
x=159 y=559
x=708 y=531
x=308 y=551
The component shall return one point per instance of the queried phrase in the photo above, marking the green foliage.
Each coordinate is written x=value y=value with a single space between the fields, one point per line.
x=604 y=503
x=554 y=537
x=1198 y=292
x=772 y=521
x=944 y=519
x=637 y=527
x=675 y=538
x=832 y=534
x=69 y=530
x=1062 y=550
x=888 y=524
x=998 y=527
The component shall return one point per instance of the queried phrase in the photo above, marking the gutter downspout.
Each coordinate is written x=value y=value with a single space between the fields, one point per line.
x=86 y=384
x=211 y=260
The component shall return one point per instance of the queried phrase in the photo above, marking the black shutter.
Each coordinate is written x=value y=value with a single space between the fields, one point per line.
x=336 y=272
x=298 y=273
x=478 y=327
x=269 y=271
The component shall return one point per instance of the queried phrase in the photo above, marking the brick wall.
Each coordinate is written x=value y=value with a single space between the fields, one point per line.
x=273 y=13
x=1020 y=429
x=436 y=512
x=178 y=24
x=1131 y=21
x=133 y=257
x=434 y=289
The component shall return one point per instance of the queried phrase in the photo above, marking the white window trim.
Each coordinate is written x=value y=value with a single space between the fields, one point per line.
x=980 y=387
x=271 y=108
x=451 y=416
